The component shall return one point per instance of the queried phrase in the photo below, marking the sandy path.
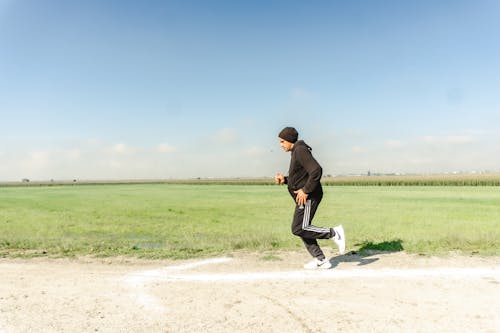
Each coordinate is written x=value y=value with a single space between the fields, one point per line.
x=244 y=293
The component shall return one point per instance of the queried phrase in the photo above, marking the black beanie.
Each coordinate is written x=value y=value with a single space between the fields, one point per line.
x=289 y=134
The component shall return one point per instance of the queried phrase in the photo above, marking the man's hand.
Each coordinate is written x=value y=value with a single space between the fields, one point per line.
x=279 y=179
x=301 y=197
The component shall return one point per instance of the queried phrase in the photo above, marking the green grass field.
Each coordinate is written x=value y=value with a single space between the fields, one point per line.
x=193 y=220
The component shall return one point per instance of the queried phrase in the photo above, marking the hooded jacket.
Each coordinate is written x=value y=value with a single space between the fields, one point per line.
x=305 y=172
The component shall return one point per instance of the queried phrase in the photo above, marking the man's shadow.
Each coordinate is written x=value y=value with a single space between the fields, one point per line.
x=366 y=252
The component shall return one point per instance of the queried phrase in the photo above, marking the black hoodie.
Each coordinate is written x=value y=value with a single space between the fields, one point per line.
x=305 y=172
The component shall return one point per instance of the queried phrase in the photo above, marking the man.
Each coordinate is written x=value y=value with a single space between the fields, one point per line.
x=305 y=188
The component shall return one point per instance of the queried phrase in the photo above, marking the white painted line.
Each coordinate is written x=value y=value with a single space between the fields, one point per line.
x=138 y=281
x=450 y=273
x=139 y=278
x=198 y=263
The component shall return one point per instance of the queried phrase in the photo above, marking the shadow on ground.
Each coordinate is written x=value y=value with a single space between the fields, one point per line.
x=366 y=254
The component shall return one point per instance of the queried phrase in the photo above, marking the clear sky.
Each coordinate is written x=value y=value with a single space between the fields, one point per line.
x=177 y=89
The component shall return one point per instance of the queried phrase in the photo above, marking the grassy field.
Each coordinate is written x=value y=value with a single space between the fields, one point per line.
x=192 y=220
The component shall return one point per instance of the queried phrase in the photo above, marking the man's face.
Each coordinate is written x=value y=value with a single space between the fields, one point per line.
x=285 y=145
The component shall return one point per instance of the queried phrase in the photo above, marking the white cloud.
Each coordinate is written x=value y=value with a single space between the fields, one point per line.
x=394 y=143
x=119 y=148
x=428 y=139
x=39 y=159
x=73 y=154
x=460 y=139
x=449 y=139
x=358 y=150
x=462 y=150
x=165 y=148
x=98 y=159
x=32 y=165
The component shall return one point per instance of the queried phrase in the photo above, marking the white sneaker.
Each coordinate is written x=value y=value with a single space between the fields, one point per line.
x=316 y=263
x=339 y=238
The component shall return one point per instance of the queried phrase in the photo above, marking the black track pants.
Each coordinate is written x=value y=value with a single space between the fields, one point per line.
x=302 y=227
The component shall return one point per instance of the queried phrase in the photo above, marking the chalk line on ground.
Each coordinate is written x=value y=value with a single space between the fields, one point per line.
x=138 y=281
x=458 y=273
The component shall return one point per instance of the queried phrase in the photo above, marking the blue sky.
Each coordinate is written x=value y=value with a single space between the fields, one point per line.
x=180 y=89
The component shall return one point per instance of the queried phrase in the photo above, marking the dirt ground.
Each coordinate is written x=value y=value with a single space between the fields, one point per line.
x=249 y=292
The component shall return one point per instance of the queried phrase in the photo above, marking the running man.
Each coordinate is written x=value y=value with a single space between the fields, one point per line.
x=304 y=176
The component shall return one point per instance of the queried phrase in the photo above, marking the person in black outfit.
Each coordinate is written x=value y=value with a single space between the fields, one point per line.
x=304 y=185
